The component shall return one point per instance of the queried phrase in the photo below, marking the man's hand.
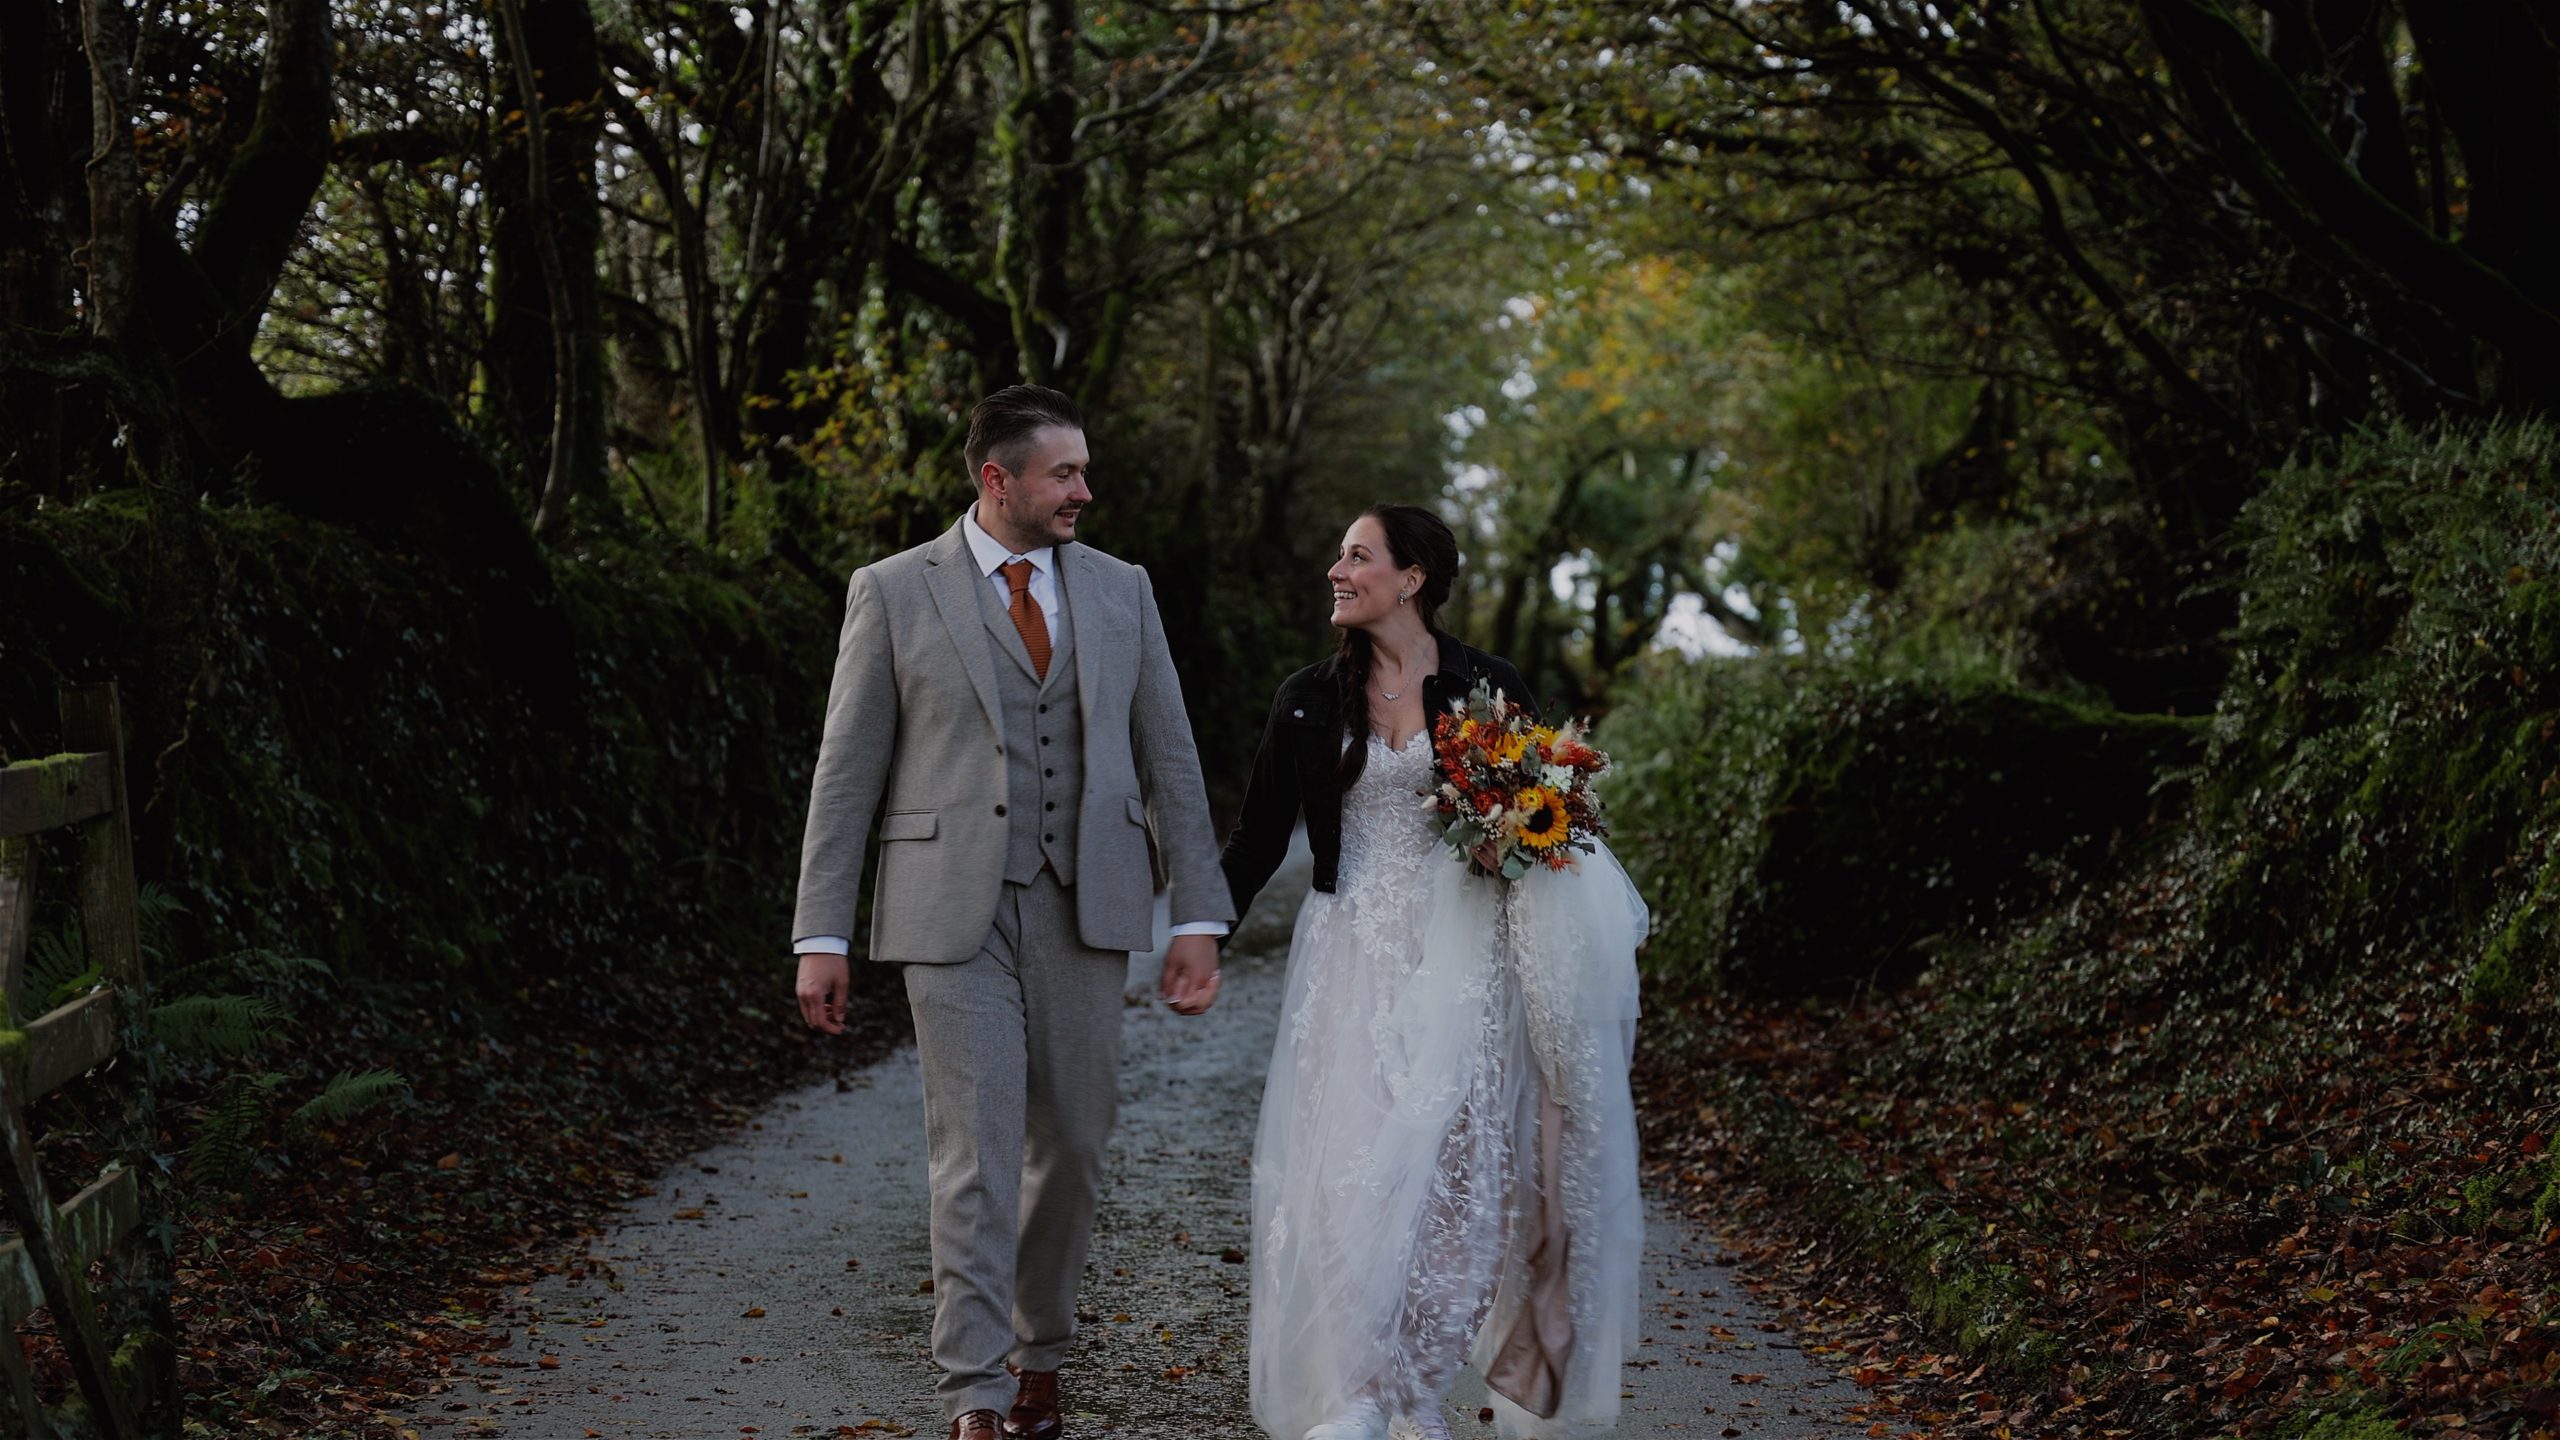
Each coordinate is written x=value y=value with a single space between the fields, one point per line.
x=1190 y=982
x=824 y=980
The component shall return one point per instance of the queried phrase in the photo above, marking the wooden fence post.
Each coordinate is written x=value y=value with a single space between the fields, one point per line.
x=123 y=1356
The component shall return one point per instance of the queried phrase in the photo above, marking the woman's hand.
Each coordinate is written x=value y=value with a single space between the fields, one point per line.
x=1489 y=854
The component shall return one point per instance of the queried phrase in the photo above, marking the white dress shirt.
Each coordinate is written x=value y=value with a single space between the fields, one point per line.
x=992 y=557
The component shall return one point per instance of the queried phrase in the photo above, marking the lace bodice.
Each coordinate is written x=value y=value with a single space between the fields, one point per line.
x=1386 y=819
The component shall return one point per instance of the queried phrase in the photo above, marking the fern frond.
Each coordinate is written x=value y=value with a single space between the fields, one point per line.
x=196 y=1026
x=352 y=1093
x=58 y=969
x=224 y=1154
x=255 y=966
x=158 y=909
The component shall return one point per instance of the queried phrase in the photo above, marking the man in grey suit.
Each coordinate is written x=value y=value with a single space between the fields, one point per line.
x=1004 y=703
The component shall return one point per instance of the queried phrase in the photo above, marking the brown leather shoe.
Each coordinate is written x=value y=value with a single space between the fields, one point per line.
x=978 y=1425
x=1035 y=1408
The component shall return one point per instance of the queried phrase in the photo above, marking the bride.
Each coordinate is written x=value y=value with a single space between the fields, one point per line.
x=1446 y=1164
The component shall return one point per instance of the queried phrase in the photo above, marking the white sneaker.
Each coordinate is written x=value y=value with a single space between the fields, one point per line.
x=1360 y=1420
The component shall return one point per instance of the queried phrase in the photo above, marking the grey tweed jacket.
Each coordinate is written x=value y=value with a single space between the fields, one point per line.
x=914 y=720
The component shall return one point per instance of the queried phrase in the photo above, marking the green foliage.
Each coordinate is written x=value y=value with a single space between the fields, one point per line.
x=225 y=1154
x=1807 y=823
x=205 y=1026
x=2383 y=765
x=348 y=1094
x=349 y=753
x=341 y=749
x=2362 y=1422
x=58 y=972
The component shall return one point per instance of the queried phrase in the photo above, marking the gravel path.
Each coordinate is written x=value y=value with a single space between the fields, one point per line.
x=775 y=1285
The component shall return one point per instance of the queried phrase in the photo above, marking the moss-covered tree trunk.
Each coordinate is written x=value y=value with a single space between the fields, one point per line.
x=37 y=202
x=524 y=367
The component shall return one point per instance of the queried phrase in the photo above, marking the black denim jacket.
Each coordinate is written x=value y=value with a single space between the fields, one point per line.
x=1301 y=745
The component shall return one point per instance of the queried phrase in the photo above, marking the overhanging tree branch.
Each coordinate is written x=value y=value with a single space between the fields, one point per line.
x=2222 y=66
x=255 y=219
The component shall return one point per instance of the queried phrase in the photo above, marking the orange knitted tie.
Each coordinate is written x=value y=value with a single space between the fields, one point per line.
x=1027 y=617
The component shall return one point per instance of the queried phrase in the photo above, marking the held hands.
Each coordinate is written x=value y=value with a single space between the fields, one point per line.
x=1489 y=855
x=824 y=981
x=1190 y=982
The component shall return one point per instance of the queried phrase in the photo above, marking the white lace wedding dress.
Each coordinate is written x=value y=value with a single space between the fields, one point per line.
x=1447 y=1156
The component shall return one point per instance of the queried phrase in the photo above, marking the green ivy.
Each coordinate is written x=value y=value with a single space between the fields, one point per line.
x=344 y=750
x=2384 y=770
x=1799 y=822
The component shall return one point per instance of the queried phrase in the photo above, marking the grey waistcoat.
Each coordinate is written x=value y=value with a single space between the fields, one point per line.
x=1044 y=756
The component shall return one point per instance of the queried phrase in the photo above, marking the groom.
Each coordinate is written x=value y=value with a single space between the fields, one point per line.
x=1007 y=693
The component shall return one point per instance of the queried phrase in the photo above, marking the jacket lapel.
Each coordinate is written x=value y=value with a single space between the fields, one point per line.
x=1093 y=652
x=950 y=573
x=1451 y=682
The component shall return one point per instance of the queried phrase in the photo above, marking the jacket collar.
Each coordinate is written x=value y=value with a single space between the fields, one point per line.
x=989 y=554
x=1456 y=660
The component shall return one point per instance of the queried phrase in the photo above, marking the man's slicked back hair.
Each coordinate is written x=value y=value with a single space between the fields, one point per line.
x=1004 y=422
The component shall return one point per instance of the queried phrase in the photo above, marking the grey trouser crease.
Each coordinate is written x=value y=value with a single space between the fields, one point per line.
x=1020 y=1047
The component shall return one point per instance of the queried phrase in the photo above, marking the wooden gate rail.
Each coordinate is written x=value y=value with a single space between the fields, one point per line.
x=127 y=1379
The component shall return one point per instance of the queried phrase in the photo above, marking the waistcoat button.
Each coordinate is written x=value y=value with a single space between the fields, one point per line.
x=999 y=809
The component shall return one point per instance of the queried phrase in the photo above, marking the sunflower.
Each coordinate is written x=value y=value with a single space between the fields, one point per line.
x=1543 y=826
x=1503 y=747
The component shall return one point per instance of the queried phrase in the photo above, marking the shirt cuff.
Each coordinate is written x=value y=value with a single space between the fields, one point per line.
x=1201 y=927
x=822 y=945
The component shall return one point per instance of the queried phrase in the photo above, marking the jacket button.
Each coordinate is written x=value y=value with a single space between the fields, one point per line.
x=1052 y=774
x=1044 y=709
x=1053 y=805
x=1052 y=839
x=1044 y=739
x=999 y=809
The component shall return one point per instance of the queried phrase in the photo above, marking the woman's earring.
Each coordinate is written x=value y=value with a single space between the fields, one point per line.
x=1403 y=599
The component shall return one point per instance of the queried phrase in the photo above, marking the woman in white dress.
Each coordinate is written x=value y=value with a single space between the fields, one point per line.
x=1445 y=1169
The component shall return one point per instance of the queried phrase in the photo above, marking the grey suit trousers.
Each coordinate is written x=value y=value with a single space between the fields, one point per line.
x=1020 y=1046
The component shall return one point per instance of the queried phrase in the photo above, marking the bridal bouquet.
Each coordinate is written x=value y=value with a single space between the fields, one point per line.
x=1502 y=776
